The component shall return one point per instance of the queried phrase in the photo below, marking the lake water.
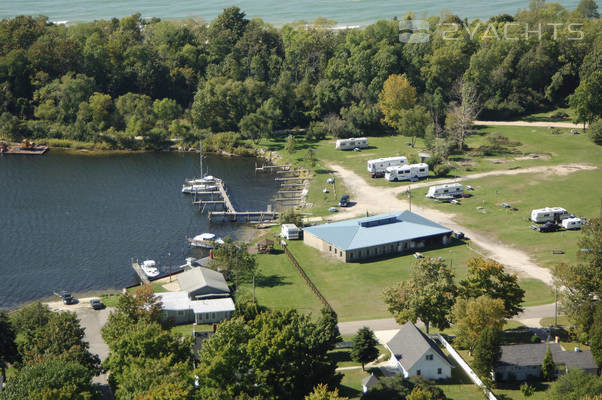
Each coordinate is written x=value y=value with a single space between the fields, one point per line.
x=73 y=221
x=345 y=12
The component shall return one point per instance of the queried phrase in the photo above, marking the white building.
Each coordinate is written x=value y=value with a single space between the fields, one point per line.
x=350 y=144
x=178 y=307
x=381 y=164
x=413 y=353
x=453 y=189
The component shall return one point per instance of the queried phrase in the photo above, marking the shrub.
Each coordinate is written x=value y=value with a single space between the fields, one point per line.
x=595 y=131
x=442 y=169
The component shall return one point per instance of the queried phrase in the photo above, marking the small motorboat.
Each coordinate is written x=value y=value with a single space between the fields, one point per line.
x=206 y=241
x=197 y=188
x=150 y=268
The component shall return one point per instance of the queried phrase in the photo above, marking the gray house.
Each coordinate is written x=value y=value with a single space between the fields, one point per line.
x=203 y=283
x=523 y=361
x=413 y=353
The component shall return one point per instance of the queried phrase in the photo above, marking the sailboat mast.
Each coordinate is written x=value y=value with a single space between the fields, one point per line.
x=201 y=156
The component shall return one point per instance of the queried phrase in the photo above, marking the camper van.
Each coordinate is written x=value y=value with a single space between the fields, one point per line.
x=350 y=144
x=290 y=232
x=381 y=164
x=453 y=190
x=572 y=223
x=553 y=214
x=407 y=172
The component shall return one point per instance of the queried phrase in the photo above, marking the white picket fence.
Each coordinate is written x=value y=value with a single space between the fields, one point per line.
x=464 y=365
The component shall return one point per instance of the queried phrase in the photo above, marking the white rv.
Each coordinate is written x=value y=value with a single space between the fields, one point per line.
x=407 y=172
x=290 y=231
x=381 y=164
x=572 y=223
x=453 y=189
x=352 y=143
x=546 y=214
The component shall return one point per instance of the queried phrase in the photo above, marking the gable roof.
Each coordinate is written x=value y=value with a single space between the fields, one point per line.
x=377 y=230
x=369 y=381
x=201 y=277
x=409 y=345
x=179 y=301
x=523 y=355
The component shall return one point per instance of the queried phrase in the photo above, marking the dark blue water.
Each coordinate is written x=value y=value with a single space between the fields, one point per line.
x=73 y=221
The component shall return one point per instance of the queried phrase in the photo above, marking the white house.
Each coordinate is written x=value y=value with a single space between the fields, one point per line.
x=350 y=144
x=178 y=308
x=413 y=353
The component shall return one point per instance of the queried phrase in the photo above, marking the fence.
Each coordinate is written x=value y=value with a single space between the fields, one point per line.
x=464 y=365
x=306 y=278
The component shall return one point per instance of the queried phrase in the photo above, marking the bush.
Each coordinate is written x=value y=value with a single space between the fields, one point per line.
x=442 y=169
x=535 y=339
x=595 y=131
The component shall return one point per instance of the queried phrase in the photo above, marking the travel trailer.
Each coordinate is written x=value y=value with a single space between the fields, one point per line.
x=290 y=231
x=453 y=190
x=350 y=144
x=381 y=164
x=572 y=223
x=407 y=172
x=553 y=214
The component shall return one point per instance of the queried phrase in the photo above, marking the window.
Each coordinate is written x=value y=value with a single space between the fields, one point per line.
x=438 y=371
x=429 y=357
x=180 y=312
x=212 y=315
x=418 y=372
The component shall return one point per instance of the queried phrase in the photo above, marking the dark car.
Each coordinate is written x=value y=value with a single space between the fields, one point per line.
x=67 y=298
x=97 y=304
x=344 y=201
x=377 y=175
x=547 y=227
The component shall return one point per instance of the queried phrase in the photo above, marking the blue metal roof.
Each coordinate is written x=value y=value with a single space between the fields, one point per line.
x=376 y=230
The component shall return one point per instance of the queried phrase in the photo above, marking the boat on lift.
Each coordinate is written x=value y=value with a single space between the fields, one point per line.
x=149 y=267
x=206 y=241
x=197 y=188
x=203 y=184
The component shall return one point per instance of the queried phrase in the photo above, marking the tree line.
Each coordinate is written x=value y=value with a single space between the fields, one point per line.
x=137 y=83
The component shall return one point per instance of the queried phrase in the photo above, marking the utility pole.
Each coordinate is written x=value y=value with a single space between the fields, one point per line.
x=253 y=288
x=555 y=305
x=410 y=195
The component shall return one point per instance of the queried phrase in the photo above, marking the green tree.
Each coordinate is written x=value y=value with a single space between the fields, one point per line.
x=101 y=108
x=588 y=8
x=575 y=385
x=583 y=281
x=487 y=277
x=8 y=347
x=291 y=144
x=595 y=131
x=31 y=317
x=595 y=335
x=364 y=348
x=419 y=394
x=527 y=390
x=427 y=295
x=585 y=99
x=548 y=368
x=472 y=316
x=241 y=266
x=279 y=354
x=321 y=392
x=487 y=352
x=53 y=378
x=396 y=96
x=310 y=158
x=166 y=109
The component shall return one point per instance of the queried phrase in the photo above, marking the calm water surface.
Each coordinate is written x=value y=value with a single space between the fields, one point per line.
x=73 y=221
x=345 y=12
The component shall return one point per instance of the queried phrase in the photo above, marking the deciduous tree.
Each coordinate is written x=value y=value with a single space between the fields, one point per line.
x=321 y=392
x=8 y=347
x=473 y=315
x=487 y=351
x=428 y=295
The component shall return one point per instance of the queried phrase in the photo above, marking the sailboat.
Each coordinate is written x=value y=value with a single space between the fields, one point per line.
x=205 y=183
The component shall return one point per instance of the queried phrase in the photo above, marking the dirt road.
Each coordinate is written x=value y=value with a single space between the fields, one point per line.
x=384 y=200
x=534 y=124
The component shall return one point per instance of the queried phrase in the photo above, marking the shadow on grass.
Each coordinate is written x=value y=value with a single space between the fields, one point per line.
x=339 y=356
x=453 y=243
x=346 y=391
x=320 y=171
x=270 y=281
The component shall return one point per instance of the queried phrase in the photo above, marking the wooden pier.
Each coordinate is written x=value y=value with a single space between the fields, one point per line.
x=138 y=269
x=271 y=168
x=249 y=217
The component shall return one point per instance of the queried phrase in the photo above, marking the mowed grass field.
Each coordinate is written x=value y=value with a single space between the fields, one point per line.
x=354 y=290
x=579 y=192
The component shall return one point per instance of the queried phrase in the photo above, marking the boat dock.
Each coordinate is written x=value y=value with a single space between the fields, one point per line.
x=249 y=217
x=138 y=269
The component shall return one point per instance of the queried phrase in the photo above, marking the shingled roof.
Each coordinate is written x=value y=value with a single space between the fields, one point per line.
x=523 y=355
x=410 y=344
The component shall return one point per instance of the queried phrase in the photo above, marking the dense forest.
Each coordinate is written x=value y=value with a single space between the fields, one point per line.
x=137 y=83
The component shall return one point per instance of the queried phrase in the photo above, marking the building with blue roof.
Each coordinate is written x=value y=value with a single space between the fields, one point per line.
x=376 y=236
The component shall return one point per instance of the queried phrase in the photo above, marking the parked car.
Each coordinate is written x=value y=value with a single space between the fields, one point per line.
x=344 y=201
x=547 y=227
x=333 y=209
x=377 y=175
x=67 y=298
x=459 y=235
x=97 y=304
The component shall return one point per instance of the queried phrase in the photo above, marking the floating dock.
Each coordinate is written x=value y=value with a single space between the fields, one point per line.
x=37 y=150
x=138 y=269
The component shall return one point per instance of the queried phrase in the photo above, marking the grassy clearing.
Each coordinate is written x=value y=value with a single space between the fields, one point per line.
x=576 y=192
x=110 y=299
x=354 y=289
x=563 y=320
x=186 y=329
x=157 y=287
x=547 y=115
x=351 y=384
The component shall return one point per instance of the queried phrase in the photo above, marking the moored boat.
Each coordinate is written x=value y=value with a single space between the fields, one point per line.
x=150 y=269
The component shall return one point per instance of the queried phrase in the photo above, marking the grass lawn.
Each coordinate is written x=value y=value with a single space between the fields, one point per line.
x=186 y=329
x=578 y=192
x=110 y=299
x=546 y=116
x=563 y=320
x=351 y=384
x=354 y=289
x=157 y=287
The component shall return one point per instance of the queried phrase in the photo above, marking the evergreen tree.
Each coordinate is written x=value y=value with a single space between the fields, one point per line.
x=487 y=351
x=548 y=368
x=8 y=347
x=364 y=346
